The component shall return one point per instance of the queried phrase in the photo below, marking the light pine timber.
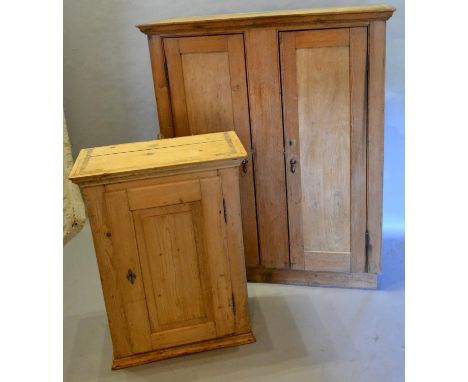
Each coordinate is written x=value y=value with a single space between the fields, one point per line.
x=164 y=194
x=169 y=246
x=230 y=189
x=317 y=129
x=359 y=29
x=272 y=18
x=161 y=87
x=118 y=325
x=217 y=343
x=267 y=139
x=126 y=257
x=358 y=56
x=310 y=278
x=375 y=143
x=110 y=163
x=292 y=148
x=208 y=84
x=217 y=255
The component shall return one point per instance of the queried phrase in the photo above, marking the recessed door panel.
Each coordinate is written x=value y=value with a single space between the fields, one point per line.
x=324 y=98
x=178 y=280
x=207 y=79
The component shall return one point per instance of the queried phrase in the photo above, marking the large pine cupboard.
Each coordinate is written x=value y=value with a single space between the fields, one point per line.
x=304 y=90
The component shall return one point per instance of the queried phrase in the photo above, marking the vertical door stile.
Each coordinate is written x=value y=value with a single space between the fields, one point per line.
x=176 y=82
x=215 y=242
x=292 y=148
x=126 y=260
x=263 y=72
x=358 y=82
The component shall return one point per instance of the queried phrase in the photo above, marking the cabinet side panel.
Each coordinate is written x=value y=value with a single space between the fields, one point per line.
x=94 y=198
x=161 y=87
x=375 y=137
x=267 y=140
x=230 y=185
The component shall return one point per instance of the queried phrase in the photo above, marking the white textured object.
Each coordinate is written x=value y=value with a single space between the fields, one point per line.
x=73 y=207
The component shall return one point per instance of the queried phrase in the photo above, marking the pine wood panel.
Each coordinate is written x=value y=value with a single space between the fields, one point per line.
x=208 y=85
x=170 y=253
x=150 y=157
x=324 y=133
x=217 y=252
x=323 y=103
x=327 y=261
x=375 y=141
x=235 y=245
x=168 y=244
x=209 y=110
x=361 y=30
x=292 y=148
x=184 y=335
x=272 y=18
x=164 y=194
x=160 y=180
x=161 y=87
x=126 y=259
x=358 y=81
x=203 y=45
x=321 y=39
x=216 y=343
x=267 y=140
x=179 y=297
x=109 y=274
x=311 y=278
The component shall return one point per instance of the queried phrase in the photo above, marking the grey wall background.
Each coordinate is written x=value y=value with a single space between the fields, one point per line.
x=108 y=91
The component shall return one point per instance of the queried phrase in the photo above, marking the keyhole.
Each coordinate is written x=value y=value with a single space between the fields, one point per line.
x=131 y=276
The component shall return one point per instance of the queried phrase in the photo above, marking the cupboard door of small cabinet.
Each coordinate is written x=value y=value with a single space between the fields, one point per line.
x=324 y=95
x=207 y=80
x=180 y=232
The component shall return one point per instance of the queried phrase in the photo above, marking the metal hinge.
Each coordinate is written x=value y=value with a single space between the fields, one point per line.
x=233 y=305
x=166 y=71
x=367 y=241
x=225 y=212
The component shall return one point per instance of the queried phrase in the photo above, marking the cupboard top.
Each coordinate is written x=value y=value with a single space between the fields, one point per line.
x=263 y=19
x=155 y=158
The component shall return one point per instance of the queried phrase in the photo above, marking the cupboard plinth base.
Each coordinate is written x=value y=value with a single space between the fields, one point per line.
x=157 y=355
x=311 y=278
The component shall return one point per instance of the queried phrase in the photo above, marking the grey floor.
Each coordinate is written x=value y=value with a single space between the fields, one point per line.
x=303 y=334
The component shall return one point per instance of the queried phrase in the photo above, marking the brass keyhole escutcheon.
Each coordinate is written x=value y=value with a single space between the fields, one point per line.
x=131 y=276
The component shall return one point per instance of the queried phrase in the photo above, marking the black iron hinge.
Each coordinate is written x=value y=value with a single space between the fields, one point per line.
x=166 y=71
x=233 y=305
x=367 y=241
x=225 y=211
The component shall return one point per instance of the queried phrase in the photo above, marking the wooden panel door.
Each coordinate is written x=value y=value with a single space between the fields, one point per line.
x=184 y=271
x=324 y=95
x=208 y=87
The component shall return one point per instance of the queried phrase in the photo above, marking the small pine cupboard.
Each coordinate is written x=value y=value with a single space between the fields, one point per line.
x=165 y=218
x=304 y=90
